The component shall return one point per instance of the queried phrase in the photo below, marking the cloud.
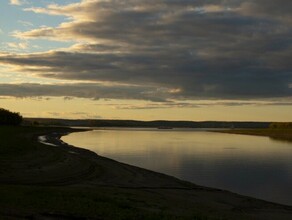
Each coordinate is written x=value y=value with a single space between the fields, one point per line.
x=198 y=49
x=17 y=2
x=62 y=115
x=79 y=115
x=153 y=98
x=198 y=104
x=25 y=23
x=280 y=9
x=84 y=90
x=18 y=46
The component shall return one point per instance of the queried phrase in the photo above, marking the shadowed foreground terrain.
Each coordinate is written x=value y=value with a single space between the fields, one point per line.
x=40 y=181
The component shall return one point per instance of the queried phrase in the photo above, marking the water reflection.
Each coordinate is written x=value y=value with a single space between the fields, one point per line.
x=282 y=139
x=249 y=165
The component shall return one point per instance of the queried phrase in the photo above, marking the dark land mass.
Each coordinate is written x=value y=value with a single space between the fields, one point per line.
x=280 y=134
x=146 y=124
x=59 y=181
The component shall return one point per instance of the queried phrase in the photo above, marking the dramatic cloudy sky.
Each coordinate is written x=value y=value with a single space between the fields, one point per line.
x=147 y=59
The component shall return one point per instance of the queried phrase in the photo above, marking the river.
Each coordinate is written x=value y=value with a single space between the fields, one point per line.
x=249 y=165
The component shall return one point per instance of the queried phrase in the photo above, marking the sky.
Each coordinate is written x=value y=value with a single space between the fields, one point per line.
x=148 y=59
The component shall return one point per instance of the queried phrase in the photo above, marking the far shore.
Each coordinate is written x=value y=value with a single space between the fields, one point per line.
x=61 y=181
x=276 y=134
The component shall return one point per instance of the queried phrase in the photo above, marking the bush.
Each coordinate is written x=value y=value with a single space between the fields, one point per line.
x=9 y=118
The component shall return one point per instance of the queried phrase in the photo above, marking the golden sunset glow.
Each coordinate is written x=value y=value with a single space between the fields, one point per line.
x=147 y=60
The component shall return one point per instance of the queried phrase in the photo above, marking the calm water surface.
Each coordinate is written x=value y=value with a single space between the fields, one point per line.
x=249 y=165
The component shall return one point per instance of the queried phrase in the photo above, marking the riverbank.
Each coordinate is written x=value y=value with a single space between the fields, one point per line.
x=39 y=181
x=276 y=134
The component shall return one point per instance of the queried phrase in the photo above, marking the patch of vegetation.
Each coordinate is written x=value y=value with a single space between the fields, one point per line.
x=279 y=132
x=281 y=125
x=9 y=118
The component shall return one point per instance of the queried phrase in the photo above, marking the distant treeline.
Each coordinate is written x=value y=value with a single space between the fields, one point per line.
x=281 y=125
x=147 y=124
x=9 y=118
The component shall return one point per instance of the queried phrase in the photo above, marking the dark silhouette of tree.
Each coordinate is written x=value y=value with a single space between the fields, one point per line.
x=9 y=118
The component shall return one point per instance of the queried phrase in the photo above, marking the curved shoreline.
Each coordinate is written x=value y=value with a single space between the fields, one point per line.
x=110 y=173
x=159 y=181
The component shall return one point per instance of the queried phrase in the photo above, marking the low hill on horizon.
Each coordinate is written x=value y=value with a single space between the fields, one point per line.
x=164 y=124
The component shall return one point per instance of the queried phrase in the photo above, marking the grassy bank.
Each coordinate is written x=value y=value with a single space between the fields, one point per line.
x=274 y=133
x=62 y=182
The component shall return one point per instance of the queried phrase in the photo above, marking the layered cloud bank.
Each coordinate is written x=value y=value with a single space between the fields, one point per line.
x=163 y=50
